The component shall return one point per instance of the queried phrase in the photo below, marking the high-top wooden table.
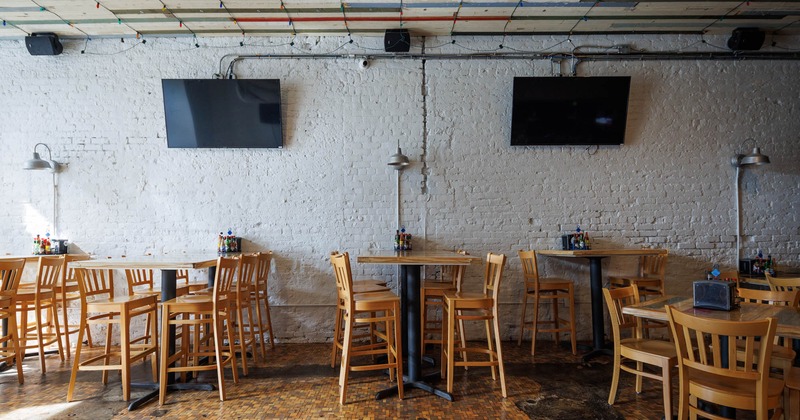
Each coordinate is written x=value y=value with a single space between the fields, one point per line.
x=169 y=265
x=595 y=257
x=411 y=263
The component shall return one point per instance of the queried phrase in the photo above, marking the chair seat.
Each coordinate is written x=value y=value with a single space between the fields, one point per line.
x=438 y=285
x=369 y=288
x=116 y=301
x=369 y=281
x=647 y=351
x=739 y=393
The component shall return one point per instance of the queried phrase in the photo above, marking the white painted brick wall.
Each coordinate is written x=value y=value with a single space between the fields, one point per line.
x=669 y=186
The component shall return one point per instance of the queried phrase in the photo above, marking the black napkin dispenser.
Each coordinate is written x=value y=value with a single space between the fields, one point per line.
x=714 y=294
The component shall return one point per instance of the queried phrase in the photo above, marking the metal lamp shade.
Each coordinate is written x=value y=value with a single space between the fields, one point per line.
x=37 y=163
x=754 y=158
x=398 y=160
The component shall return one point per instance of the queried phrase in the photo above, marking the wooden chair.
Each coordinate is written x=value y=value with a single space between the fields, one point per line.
x=41 y=299
x=192 y=286
x=782 y=357
x=368 y=308
x=650 y=279
x=203 y=319
x=67 y=291
x=10 y=272
x=431 y=293
x=260 y=295
x=467 y=306
x=713 y=376
x=360 y=330
x=99 y=306
x=782 y=283
x=552 y=290
x=244 y=333
x=638 y=349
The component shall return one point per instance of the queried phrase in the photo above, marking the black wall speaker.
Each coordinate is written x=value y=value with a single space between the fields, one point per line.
x=397 y=40
x=43 y=44
x=746 y=39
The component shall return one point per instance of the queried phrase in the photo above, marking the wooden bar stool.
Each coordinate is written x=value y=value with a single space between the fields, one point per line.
x=10 y=353
x=371 y=308
x=361 y=330
x=546 y=289
x=244 y=320
x=99 y=306
x=67 y=291
x=41 y=298
x=260 y=295
x=649 y=281
x=431 y=293
x=204 y=321
x=460 y=305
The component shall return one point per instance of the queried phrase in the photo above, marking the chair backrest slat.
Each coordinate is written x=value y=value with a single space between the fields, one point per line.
x=225 y=273
x=783 y=283
x=616 y=299
x=773 y=297
x=48 y=273
x=10 y=275
x=653 y=265
x=95 y=283
x=139 y=277
x=262 y=272
x=495 y=264
x=344 y=277
x=247 y=272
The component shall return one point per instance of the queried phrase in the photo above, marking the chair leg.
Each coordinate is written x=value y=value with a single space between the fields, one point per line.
x=125 y=358
x=535 y=325
x=260 y=323
x=344 y=367
x=522 y=317
x=107 y=358
x=498 y=344
x=240 y=333
x=218 y=353
x=76 y=363
x=490 y=346
x=269 y=323
x=556 y=322
x=39 y=339
x=235 y=373
x=14 y=334
x=612 y=395
x=639 y=367
x=164 y=365
x=666 y=385
x=574 y=339
x=337 y=333
x=65 y=325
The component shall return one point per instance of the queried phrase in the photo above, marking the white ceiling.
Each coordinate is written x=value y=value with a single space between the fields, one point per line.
x=127 y=18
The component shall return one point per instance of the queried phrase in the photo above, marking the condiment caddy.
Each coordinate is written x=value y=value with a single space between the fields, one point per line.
x=228 y=243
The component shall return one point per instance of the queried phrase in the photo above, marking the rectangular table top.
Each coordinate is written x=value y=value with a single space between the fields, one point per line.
x=30 y=257
x=162 y=262
x=788 y=317
x=416 y=258
x=585 y=253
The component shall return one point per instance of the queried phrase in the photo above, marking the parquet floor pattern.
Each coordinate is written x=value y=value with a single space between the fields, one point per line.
x=296 y=381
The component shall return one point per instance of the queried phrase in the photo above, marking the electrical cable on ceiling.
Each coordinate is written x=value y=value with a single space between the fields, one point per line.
x=291 y=22
x=510 y=17
x=455 y=18
x=44 y=9
x=583 y=18
x=721 y=18
x=235 y=22
x=344 y=19
x=181 y=23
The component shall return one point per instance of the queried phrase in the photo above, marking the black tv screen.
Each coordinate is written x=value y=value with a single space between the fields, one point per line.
x=223 y=113
x=551 y=111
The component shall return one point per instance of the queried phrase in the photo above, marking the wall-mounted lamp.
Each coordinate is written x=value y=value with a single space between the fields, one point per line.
x=398 y=161
x=739 y=161
x=37 y=163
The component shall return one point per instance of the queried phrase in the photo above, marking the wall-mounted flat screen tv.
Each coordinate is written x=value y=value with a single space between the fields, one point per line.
x=223 y=113
x=557 y=111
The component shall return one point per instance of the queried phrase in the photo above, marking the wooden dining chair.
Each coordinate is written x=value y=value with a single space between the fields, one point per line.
x=431 y=293
x=545 y=290
x=381 y=308
x=41 y=300
x=782 y=357
x=260 y=296
x=472 y=306
x=649 y=281
x=709 y=374
x=10 y=353
x=782 y=283
x=205 y=321
x=635 y=348
x=67 y=292
x=99 y=306
x=360 y=330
